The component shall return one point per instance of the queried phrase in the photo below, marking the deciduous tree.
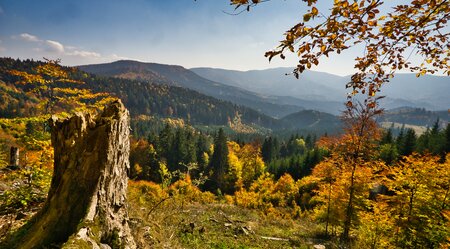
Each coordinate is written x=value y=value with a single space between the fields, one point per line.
x=387 y=32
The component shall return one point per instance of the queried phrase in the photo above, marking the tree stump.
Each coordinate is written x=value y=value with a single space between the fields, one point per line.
x=86 y=206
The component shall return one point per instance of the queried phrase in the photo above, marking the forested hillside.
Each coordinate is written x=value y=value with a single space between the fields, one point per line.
x=179 y=76
x=143 y=97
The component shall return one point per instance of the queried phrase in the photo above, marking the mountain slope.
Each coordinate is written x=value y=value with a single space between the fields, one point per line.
x=310 y=86
x=415 y=116
x=431 y=92
x=313 y=120
x=140 y=97
x=179 y=76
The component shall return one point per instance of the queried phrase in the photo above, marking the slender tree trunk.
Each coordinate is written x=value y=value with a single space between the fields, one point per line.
x=349 y=210
x=328 y=209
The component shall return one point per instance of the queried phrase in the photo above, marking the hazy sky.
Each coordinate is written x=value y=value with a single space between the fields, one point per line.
x=183 y=32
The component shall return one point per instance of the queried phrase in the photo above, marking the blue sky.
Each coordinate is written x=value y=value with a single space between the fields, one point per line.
x=183 y=32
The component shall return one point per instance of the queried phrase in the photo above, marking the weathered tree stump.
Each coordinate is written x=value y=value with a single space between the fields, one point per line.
x=87 y=204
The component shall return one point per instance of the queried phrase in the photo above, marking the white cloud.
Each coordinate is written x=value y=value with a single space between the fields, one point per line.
x=29 y=37
x=116 y=57
x=49 y=48
x=54 y=46
x=85 y=54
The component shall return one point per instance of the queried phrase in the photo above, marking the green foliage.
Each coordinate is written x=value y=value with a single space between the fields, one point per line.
x=3 y=159
x=389 y=153
x=53 y=85
x=219 y=165
x=28 y=185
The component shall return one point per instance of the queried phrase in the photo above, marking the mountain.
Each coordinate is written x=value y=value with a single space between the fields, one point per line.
x=428 y=91
x=415 y=116
x=179 y=76
x=313 y=120
x=144 y=99
x=310 y=86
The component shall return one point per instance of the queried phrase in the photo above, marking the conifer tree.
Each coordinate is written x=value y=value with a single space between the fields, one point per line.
x=387 y=137
x=219 y=163
x=447 y=139
x=408 y=145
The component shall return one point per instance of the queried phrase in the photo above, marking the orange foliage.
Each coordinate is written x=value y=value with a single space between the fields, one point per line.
x=269 y=195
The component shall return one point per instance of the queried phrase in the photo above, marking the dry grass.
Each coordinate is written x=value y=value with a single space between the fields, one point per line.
x=177 y=223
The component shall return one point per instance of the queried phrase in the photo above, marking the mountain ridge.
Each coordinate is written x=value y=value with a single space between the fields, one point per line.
x=404 y=88
x=188 y=79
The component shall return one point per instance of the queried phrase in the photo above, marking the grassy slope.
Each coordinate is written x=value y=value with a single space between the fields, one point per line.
x=177 y=223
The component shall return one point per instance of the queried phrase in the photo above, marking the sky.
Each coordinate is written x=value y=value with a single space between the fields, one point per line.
x=189 y=33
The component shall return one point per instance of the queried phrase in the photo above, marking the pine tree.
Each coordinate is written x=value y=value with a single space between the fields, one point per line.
x=219 y=163
x=387 y=137
x=165 y=143
x=267 y=150
x=408 y=145
x=202 y=147
x=437 y=140
x=179 y=153
x=447 y=139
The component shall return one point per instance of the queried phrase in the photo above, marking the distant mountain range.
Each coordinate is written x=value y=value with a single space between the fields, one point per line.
x=179 y=76
x=276 y=94
x=282 y=96
x=158 y=90
x=146 y=99
x=430 y=92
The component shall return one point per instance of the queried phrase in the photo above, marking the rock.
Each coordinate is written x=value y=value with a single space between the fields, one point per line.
x=87 y=202
x=319 y=246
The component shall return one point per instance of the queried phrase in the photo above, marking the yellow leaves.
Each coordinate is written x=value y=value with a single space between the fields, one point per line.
x=267 y=194
x=344 y=4
x=306 y=17
x=58 y=91
x=314 y=11
x=246 y=163
x=421 y=73
x=389 y=33
x=27 y=78
x=372 y=23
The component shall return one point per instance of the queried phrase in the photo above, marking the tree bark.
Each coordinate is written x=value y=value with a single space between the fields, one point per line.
x=86 y=206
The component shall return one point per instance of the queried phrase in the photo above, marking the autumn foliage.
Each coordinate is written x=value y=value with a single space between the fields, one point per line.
x=56 y=90
x=386 y=32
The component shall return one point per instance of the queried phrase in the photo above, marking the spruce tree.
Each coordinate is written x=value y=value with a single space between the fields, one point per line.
x=387 y=137
x=267 y=150
x=408 y=145
x=219 y=163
